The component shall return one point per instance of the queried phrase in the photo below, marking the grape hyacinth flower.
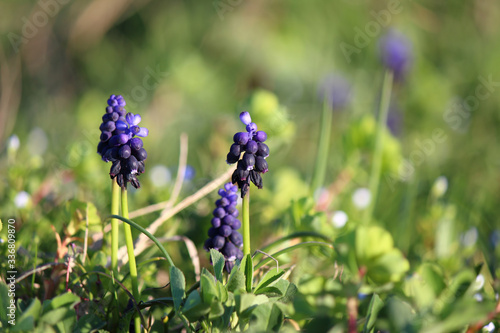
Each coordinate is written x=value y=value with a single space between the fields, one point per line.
x=396 y=53
x=224 y=235
x=121 y=143
x=255 y=151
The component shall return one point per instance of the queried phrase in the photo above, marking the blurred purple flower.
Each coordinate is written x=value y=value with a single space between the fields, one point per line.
x=396 y=53
x=337 y=90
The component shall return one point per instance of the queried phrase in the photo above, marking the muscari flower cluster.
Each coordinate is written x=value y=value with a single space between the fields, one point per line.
x=255 y=151
x=121 y=143
x=396 y=53
x=223 y=235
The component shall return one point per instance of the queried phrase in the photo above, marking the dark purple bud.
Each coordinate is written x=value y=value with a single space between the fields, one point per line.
x=233 y=198
x=224 y=202
x=228 y=220
x=136 y=143
x=245 y=118
x=109 y=109
x=222 y=193
x=105 y=136
x=225 y=230
x=124 y=152
x=252 y=147
x=248 y=161
x=235 y=149
x=260 y=136
x=133 y=180
x=256 y=178
x=141 y=154
x=132 y=164
x=218 y=242
x=216 y=222
x=208 y=244
x=101 y=147
x=120 y=180
x=117 y=140
x=236 y=224
x=232 y=208
x=108 y=126
x=244 y=187
x=236 y=238
x=261 y=164
x=230 y=251
x=140 y=168
x=231 y=159
x=241 y=138
x=229 y=265
x=263 y=150
x=121 y=125
x=219 y=212
x=112 y=101
x=115 y=168
x=252 y=127
x=212 y=232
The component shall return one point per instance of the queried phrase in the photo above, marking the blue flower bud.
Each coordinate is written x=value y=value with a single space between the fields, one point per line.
x=260 y=136
x=245 y=118
x=241 y=138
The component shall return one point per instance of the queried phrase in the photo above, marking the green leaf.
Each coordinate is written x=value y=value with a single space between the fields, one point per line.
x=291 y=248
x=269 y=292
x=178 y=286
x=208 y=290
x=269 y=278
x=372 y=242
x=194 y=308
x=376 y=304
x=247 y=267
x=390 y=267
x=4 y=303
x=64 y=300
x=32 y=311
x=216 y=310
x=267 y=318
x=245 y=303
x=218 y=261
x=236 y=281
x=222 y=292
x=89 y=323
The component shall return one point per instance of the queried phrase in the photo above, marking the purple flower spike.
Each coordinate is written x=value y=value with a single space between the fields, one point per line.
x=224 y=235
x=396 y=53
x=245 y=118
x=251 y=143
x=118 y=144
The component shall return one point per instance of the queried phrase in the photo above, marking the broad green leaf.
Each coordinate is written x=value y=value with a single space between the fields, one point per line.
x=267 y=318
x=216 y=310
x=32 y=311
x=208 y=290
x=246 y=302
x=194 y=308
x=53 y=317
x=372 y=242
x=376 y=304
x=218 y=261
x=64 y=300
x=222 y=292
x=178 y=286
x=269 y=292
x=389 y=267
x=269 y=278
x=236 y=281
x=27 y=324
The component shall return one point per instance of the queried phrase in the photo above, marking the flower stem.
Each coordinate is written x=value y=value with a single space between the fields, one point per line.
x=379 y=144
x=115 y=207
x=246 y=223
x=323 y=147
x=131 y=258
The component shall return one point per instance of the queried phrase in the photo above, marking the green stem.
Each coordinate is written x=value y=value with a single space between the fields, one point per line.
x=379 y=145
x=115 y=207
x=131 y=258
x=246 y=223
x=323 y=147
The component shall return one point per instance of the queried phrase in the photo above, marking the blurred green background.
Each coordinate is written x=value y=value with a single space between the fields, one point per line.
x=192 y=66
